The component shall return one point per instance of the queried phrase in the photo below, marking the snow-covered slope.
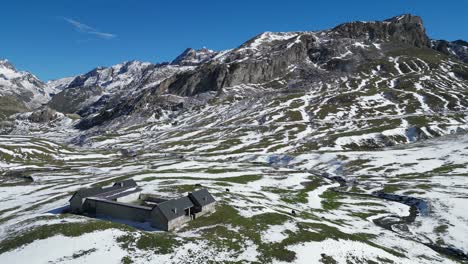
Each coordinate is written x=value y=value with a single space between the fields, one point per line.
x=20 y=90
x=87 y=93
x=60 y=84
x=256 y=192
x=338 y=88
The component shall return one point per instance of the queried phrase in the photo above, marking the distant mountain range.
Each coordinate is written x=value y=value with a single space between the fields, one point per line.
x=363 y=77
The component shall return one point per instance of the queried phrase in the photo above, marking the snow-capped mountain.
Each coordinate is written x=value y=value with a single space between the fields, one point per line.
x=85 y=94
x=360 y=84
x=60 y=84
x=20 y=91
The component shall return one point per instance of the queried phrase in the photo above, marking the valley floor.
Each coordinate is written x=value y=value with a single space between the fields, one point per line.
x=338 y=219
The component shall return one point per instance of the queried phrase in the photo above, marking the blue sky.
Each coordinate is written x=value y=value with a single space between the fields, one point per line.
x=58 y=38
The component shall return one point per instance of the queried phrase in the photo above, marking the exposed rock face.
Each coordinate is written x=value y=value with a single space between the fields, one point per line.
x=458 y=48
x=90 y=92
x=191 y=57
x=396 y=51
x=43 y=115
x=270 y=55
x=406 y=29
x=244 y=65
x=73 y=99
x=20 y=91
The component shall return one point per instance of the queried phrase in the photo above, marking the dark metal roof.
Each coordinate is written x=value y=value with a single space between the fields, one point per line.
x=90 y=192
x=118 y=187
x=119 y=203
x=201 y=197
x=126 y=184
x=175 y=208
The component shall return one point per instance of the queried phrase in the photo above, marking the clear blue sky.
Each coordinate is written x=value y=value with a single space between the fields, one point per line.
x=58 y=38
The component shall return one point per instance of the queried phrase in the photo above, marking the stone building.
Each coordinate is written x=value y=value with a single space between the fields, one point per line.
x=164 y=214
x=113 y=193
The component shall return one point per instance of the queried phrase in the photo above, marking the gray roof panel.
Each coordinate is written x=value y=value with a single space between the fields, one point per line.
x=126 y=184
x=202 y=197
x=175 y=208
x=102 y=192
x=119 y=203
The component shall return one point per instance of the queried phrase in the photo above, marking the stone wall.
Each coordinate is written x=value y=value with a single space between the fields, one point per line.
x=176 y=222
x=207 y=209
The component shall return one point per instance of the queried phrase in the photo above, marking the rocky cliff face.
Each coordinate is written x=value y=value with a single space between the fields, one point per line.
x=88 y=93
x=191 y=57
x=286 y=60
x=407 y=29
x=272 y=55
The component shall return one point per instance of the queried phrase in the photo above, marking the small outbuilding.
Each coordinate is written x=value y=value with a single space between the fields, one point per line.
x=203 y=202
x=172 y=213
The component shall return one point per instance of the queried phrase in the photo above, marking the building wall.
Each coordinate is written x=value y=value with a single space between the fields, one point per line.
x=89 y=206
x=158 y=220
x=76 y=204
x=176 y=222
x=207 y=209
x=117 y=211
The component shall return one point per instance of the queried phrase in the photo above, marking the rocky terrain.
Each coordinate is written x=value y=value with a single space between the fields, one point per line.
x=21 y=91
x=319 y=123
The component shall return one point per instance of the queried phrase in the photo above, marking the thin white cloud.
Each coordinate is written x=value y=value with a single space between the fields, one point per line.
x=81 y=27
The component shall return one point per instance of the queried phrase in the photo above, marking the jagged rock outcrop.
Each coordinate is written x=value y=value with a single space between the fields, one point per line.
x=270 y=55
x=88 y=93
x=20 y=91
x=22 y=85
x=191 y=57
x=284 y=61
x=458 y=48
x=348 y=71
x=43 y=115
x=406 y=29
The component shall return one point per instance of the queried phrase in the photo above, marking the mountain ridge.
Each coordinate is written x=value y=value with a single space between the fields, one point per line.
x=264 y=57
x=363 y=71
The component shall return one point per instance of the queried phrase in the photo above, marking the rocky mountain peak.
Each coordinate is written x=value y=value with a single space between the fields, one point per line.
x=461 y=43
x=406 y=19
x=9 y=72
x=408 y=29
x=20 y=89
x=457 y=48
x=6 y=64
x=192 y=57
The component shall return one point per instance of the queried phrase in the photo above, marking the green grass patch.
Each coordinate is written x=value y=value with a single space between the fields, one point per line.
x=447 y=168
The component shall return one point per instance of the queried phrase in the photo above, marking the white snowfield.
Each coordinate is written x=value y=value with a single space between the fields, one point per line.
x=338 y=226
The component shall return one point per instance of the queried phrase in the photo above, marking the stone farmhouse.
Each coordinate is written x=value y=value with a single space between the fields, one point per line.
x=164 y=214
